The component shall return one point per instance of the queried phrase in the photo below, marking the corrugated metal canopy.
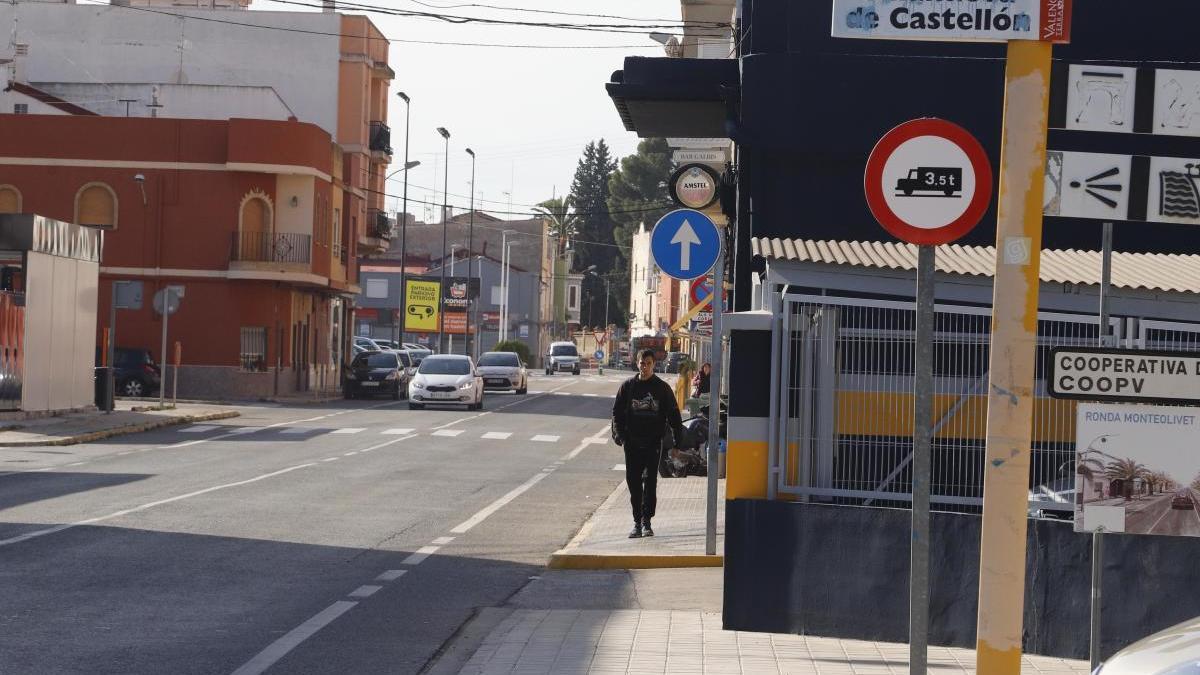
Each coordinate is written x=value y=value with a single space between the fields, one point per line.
x=1151 y=271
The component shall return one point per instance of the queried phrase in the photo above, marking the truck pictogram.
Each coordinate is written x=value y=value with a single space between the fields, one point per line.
x=926 y=179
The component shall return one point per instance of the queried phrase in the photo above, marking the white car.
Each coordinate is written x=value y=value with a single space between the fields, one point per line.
x=503 y=371
x=446 y=379
x=1174 y=651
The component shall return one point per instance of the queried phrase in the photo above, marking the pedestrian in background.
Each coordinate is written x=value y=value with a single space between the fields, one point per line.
x=644 y=410
x=701 y=382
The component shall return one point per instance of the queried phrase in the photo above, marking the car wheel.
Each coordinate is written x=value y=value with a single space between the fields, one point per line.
x=524 y=388
x=575 y=372
x=415 y=406
x=133 y=387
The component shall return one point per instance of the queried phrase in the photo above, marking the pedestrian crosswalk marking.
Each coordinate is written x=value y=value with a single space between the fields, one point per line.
x=299 y=430
x=397 y=432
x=199 y=428
x=349 y=430
x=447 y=432
x=542 y=438
x=497 y=435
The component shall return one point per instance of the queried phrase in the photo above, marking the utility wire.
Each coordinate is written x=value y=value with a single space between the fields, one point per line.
x=550 y=11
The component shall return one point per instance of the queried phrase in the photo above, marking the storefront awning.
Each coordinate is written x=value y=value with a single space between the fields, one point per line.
x=661 y=97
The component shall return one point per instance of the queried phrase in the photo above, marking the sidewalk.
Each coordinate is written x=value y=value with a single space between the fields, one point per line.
x=562 y=642
x=604 y=543
x=83 y=427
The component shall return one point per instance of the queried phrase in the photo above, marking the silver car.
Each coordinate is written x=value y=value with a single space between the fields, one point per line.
x=1174 y=651
x=446 y=379
x=503 y=371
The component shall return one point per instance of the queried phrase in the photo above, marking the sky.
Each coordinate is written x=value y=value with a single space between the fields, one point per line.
x=527 y=113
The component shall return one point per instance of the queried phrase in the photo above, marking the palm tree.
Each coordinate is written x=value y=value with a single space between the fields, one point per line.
x=1127 y=471
x=563 y=223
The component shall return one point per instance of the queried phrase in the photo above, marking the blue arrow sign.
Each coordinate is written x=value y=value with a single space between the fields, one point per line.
x=685 y=244
x=599 y=355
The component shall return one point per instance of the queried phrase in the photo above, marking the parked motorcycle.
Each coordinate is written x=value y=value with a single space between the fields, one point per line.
x=690 y=458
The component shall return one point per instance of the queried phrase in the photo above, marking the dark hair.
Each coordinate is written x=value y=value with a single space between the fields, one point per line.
x=643 y=353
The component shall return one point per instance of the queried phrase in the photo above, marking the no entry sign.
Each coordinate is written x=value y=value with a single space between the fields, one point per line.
x=928 y=182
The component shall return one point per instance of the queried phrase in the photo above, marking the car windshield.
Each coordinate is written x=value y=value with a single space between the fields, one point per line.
x=405 y=359
x=376 y=360
x=499 y=359
x=563 y=350
x=435 y=366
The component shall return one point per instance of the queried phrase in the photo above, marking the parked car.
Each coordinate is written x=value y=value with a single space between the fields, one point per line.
x=674 y=361
x=1183 y=500
x=503 y=371
x=446 y=379
x=135 y=373
x=563 y=356
x=1174 y=651
x=373 y=373
x=417 y=352
x=386 y=345
x=367 y=344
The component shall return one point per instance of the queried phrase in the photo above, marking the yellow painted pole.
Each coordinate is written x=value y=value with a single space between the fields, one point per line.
x=1011 y=372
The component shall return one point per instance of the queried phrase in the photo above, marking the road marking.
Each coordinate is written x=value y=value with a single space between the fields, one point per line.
x=497 y=435
x=391 y=575
x=447 y=432
x=349 y=430
x=279 y=648
x=1160 y=518
x=365 y=591
x=591 y=395
x=563 y=393
x=124 y=512
x=420 y=555
x=442 y=541
x=350 y=454
x=331 y=459
x=299 y=430
x=75 y=464
x=596 y=438
x=590 y=441
x=618 y=467
x=542 y=438
x=245 y=430
x=396 y=432
x=384 y=445
x=198 y=429
x=498 y=504
x=519 y=401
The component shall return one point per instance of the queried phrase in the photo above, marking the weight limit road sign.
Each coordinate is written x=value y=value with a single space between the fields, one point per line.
x=928 y=182
x=685 y=244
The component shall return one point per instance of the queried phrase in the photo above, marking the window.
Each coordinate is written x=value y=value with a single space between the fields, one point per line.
x=20 y=108
x=573 y=298
x=497 y=295
x=254 y=349
x=96 y=206
x=377 y=288
x=337 y=233
x=10 y=199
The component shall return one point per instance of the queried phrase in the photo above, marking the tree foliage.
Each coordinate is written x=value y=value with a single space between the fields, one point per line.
x=594 y=243
x=637 y=194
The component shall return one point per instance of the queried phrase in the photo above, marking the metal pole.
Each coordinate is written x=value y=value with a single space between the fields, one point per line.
x=1097 y=574
x=445 y=211
x=450 y=338
x=918 y=573
x=1012 y=359
x=162 y=385
x=472 y=303
x=403 y=227
x=112 y=350
x=714 y=407
x=1105 y=282
x=175 y=388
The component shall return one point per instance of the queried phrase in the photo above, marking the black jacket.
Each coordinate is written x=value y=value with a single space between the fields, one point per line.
x=644 y=410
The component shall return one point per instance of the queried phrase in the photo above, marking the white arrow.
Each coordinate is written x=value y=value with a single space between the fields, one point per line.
x=686 y=238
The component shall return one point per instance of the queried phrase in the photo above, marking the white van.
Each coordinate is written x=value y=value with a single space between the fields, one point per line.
x=562 y=357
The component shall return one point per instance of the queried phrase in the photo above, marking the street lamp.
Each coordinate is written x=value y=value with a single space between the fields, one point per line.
x=445 y=209
x=472 y=306
x=403 y=224
x=407 y=165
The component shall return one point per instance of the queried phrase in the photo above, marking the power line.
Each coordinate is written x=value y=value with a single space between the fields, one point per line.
x=550 y=11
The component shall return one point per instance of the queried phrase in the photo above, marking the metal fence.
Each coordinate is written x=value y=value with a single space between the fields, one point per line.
x=843 y=408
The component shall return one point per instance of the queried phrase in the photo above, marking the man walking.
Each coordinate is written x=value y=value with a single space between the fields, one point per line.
x=644 y=409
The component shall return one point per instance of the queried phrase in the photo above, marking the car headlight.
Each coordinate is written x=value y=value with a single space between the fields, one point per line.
x=417 y=384
x=394 y=375
x=466 y=385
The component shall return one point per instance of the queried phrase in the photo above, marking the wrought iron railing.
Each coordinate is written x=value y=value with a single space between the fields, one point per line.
x=381 y=138
x=378 y=224
x=284 y=247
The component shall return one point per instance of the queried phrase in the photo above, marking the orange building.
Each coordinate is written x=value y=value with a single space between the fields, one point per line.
x=251 y=217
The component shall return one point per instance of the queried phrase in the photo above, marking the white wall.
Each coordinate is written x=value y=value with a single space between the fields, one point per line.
x=296 y=219
x=642 y=277
x=109 y=43
x=10 y=98
x=204 y=101
x=60 y=332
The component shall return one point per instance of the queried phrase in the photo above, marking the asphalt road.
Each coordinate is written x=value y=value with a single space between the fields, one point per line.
x=1158 y=517
x=354 y=537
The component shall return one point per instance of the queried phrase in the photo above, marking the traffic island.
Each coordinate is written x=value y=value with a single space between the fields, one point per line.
x=604 y=543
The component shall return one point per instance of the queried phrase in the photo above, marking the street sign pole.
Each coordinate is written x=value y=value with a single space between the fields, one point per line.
x=1012 y=359
x=714 y=410
x=1098 y=534
x=166 y=316
x=918 y=580
x=112 y=350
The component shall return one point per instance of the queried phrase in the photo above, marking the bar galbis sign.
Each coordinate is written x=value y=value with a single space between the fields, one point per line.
x=1129 y=375
x=956 y=20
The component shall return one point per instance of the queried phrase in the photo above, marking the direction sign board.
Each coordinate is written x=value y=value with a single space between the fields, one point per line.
x=1128 y=375
x=1137 y=469
x=953 y=20
x=928 y=181
x=685 y=244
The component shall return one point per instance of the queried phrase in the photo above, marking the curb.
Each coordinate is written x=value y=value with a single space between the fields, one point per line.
x=122 y=431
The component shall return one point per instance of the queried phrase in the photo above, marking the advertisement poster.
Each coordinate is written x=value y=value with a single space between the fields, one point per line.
x=421 y=306
x=1137 y=469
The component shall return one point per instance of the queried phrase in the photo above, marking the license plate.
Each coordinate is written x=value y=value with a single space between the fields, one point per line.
x=370 y=384
x=497 y=381
x=441 y=394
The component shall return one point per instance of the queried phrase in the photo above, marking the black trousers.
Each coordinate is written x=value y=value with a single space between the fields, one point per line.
x=641 y=475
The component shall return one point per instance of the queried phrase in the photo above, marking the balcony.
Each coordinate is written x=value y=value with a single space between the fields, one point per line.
x=381 y=141
x=282 y=251
x=378 y=224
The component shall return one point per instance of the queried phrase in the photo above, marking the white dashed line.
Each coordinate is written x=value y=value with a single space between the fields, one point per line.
x=198 y=429
x=350 y=454
x=498 y=504
x=364 y=591
x=618 y=467
x=349 y=430
x=420 y=555
x=543 y=438
x=396 y=432
x=391 y=575
x=331 y=459
x=447 y=432
x=279 y=648
x=299 y=430
x=246 y=430
x=497 y=435
x=442 y=541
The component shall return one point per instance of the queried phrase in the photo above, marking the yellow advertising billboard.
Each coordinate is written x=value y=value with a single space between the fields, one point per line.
x=421 y=306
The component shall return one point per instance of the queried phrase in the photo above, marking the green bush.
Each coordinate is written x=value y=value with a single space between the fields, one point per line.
x=516 y=346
